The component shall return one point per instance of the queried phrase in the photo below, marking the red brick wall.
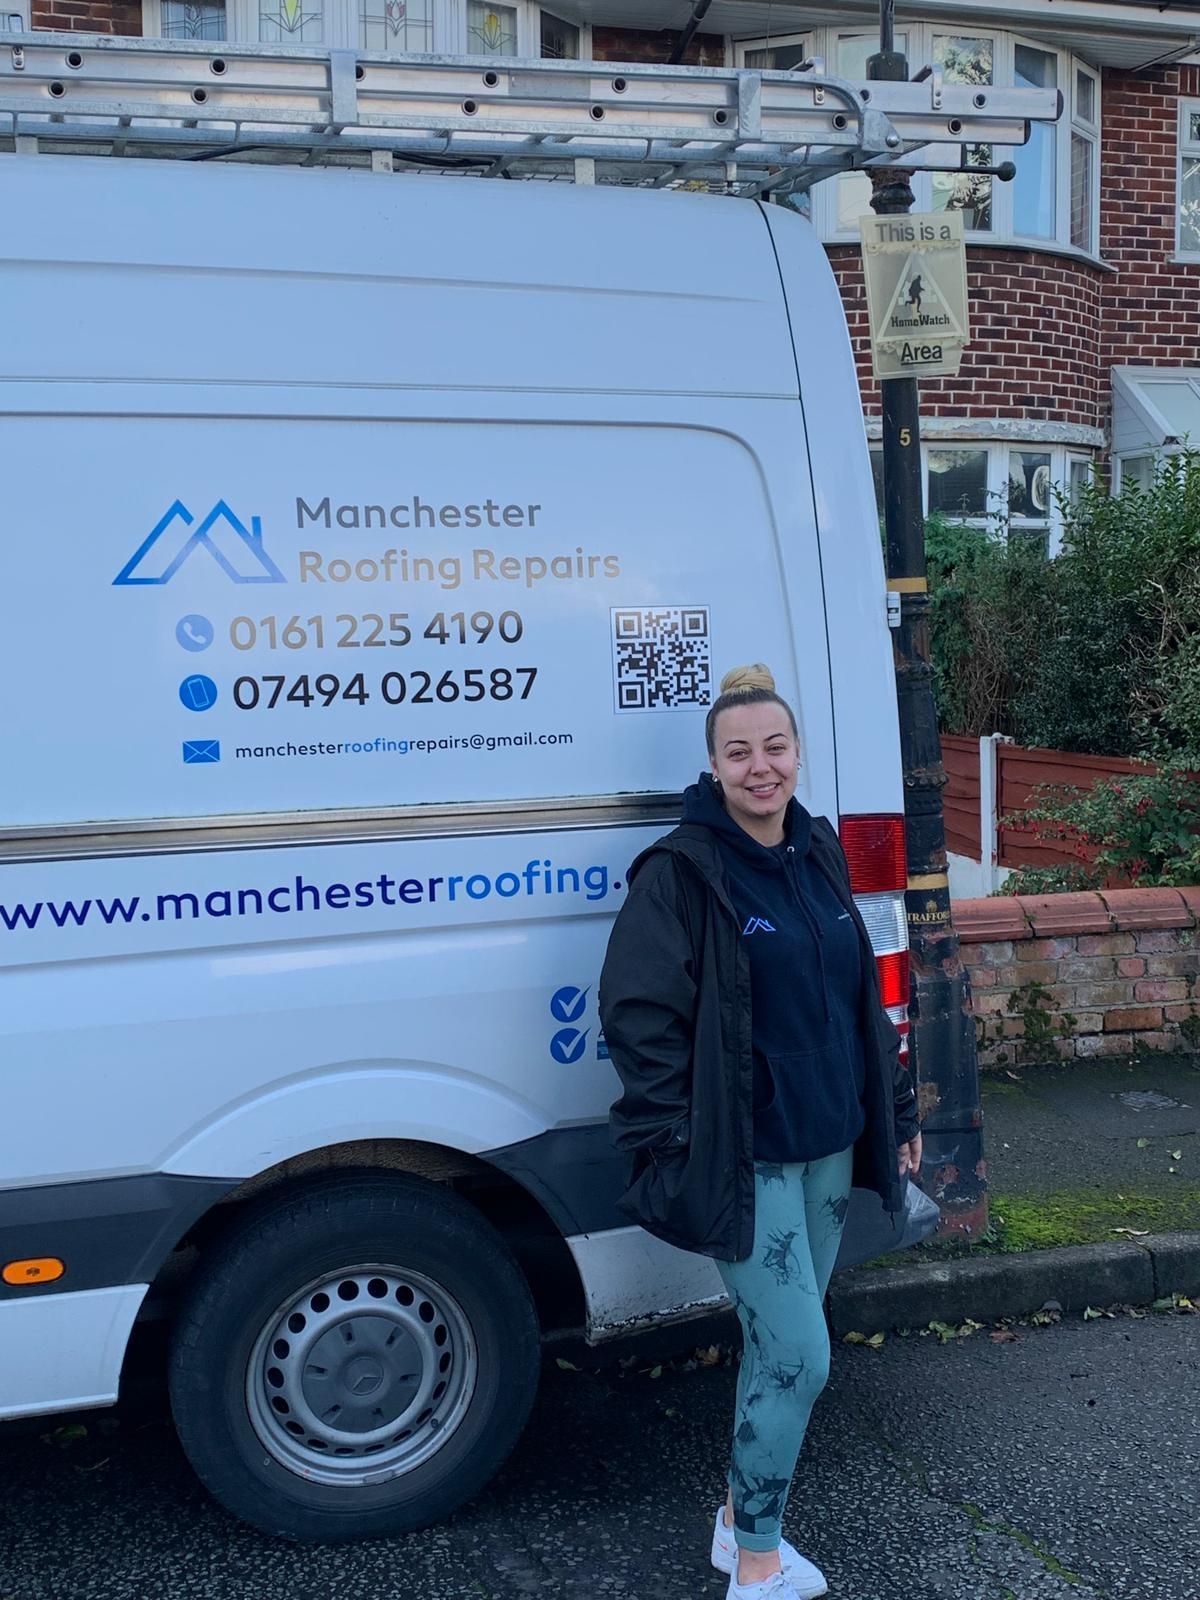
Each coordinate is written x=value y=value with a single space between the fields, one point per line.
x=1152 y=308
x=1115 y=973
x=89 y=16
x=1035 y=332
x=655 y=45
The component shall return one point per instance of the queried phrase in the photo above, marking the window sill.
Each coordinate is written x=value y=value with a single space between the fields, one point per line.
x=1186 y=258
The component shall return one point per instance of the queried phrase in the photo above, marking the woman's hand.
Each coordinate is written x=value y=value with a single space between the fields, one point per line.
x=910 y=1156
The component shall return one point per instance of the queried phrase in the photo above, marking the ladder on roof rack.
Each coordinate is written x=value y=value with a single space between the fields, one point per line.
x=744 y=131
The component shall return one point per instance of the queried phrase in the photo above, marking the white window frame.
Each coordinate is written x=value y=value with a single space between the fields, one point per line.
x=341 y=25
x=1189 y=149
x=997 y=450
x=823 y=43
x=1082 y=128
x=14 y=16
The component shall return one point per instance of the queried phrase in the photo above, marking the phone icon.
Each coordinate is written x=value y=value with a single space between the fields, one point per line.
x=198 y=693
x=194 y=632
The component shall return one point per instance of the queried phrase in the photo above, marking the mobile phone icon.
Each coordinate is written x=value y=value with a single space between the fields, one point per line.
x=198 y=693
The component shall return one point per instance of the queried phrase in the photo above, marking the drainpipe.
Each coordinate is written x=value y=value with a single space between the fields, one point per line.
x=686 y=33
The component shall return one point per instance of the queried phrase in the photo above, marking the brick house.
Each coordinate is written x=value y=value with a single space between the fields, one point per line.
x=1084 y=272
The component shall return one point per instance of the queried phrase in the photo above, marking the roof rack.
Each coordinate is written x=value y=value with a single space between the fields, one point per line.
x=744 y=131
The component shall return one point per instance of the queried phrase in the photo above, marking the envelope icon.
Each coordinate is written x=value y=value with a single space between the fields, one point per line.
x=196 y=752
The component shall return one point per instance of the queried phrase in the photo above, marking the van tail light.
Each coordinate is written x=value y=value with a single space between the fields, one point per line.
x=875 y=851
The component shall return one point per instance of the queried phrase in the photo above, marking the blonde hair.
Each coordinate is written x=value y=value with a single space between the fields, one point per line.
x=750 y=685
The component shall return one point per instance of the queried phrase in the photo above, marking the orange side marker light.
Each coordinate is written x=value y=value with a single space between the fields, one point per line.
x=40 y=1269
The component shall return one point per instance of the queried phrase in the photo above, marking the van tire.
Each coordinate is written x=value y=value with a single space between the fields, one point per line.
x=427 y=1299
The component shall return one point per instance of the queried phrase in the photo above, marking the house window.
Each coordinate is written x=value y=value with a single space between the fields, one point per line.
x=491 y=30
x=1136 y=472
x=453 y=27
x=205 y=20
x=958 y=483
x=780 y=55
x=1029 y=495
x=1189 y=178
x=853 y=199
x=1010 y=489
x=388 y=25
x=1035 y=201
x=560 y=40
x=968 y=60
x=1054 y=196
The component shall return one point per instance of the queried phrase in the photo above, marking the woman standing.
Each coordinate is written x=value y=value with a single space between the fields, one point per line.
x=761 y=1076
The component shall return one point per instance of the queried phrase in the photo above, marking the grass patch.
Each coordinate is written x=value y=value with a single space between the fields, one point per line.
x=1086 y=1216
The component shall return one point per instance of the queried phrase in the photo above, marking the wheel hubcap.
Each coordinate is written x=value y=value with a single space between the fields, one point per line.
x=361 y=1376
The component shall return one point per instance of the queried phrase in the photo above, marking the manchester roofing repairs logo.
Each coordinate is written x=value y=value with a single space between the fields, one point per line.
x=236 y=548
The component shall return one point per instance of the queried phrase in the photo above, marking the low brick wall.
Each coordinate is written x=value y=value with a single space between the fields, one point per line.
x=1068 y=976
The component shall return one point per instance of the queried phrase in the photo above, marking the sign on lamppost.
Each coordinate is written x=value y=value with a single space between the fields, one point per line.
x=916 y=275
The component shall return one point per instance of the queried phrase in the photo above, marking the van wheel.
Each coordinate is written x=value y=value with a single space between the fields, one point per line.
x=357 y=1359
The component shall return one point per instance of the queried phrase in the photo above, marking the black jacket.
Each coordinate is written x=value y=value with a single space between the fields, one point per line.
x=675 y=1006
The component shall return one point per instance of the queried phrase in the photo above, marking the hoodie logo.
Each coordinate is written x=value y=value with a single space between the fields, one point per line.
x=757 y=925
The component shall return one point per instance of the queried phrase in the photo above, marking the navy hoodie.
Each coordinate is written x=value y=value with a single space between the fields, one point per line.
x=805 y=978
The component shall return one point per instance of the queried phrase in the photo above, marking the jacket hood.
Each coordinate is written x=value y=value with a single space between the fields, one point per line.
x=703 y=805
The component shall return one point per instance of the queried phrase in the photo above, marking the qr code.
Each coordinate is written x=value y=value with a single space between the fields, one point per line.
x=661 y=658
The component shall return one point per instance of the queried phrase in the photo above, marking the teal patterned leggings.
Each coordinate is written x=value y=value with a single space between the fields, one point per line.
x=778 y=1293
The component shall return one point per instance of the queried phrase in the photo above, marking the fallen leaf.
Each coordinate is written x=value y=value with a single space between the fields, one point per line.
x=1176 y=1155
x=1091 y=1315
x=68 y=1435
x=656 y=1372
x=854 y=1338
x=566 y=1366
x=1142 y=1143
x=875 y=1340
x=672 y=1413
x=1004 y=1336
x=710 y=1357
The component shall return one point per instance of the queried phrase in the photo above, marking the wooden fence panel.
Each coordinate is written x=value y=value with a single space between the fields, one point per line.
x=960 y=797
x=1020 y=771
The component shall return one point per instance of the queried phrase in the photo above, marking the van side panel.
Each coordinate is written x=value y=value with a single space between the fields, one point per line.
x=860 y=655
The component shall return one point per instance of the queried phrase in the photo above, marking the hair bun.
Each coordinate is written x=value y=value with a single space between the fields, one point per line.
x=740 y=680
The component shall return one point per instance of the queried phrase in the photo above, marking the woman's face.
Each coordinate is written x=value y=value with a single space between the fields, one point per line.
x=755 y=761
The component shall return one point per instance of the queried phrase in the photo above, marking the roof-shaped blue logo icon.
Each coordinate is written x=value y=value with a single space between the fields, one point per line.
x=236 y=548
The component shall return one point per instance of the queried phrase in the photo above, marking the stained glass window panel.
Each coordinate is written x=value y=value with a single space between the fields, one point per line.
x=205 y=20
x=491 y=30
x=396 y=25
x=292 y=22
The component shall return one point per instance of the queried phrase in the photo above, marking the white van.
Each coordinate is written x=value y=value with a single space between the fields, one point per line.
x=372 y=548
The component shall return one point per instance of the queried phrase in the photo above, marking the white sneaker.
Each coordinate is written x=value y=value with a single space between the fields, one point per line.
x=776 y=1587
x=807 y=1581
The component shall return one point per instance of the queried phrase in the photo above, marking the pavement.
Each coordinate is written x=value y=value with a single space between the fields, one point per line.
x=1094 y=1172
x=1053 y=1463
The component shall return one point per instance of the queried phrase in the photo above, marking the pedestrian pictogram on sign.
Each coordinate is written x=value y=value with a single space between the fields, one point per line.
x=916 y=275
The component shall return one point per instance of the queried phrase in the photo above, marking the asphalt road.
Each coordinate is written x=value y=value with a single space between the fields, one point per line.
x=1061 y=1466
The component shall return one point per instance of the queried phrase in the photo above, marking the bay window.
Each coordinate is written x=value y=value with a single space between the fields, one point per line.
x=1054 y=196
